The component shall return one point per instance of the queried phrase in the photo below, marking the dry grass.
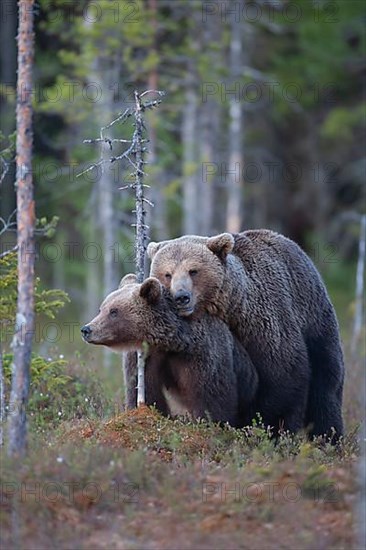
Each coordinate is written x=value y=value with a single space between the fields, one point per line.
x=139 y=480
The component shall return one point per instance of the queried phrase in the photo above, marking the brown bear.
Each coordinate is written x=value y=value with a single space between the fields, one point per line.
x=271 y=296
x=194 y=365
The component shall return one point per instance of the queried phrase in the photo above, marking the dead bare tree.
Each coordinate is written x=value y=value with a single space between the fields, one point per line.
x=24 y=325
x=134 y=154
x=141 y=227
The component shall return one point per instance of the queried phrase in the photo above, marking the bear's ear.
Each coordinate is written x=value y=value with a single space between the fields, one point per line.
x=153 y=247
x=151 y=290
x=128 y=279
x=221 y=245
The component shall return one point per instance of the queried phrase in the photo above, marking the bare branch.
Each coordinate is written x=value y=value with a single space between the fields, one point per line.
x=137 y=151
x=95 y=165
x=6 y=166
x=9 y=224
x=7 y=252
x=157 y=92
x=122 y=117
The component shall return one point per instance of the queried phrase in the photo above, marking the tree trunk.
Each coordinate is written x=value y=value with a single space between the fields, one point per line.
x=93 y=274
x=208 y=130
x=105 y=76
x=24 y=327
x=357 y=325
x=141 y=237
x=107 y=219
x=157 y=217
x=189 y=132
x=235 y=167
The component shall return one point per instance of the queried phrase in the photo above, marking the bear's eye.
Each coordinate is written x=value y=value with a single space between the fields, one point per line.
x=168 y=276
x=113 y=312
x=193 y=272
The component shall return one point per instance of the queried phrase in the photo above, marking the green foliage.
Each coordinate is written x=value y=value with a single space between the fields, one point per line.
x=49 y=383
x=47 y=228
x=341 y=123
x=316 y=481
x=57 y=393
x=7 y=146
x=8 y=288
x=314 y=52
x=46 y=373
x=47 y=302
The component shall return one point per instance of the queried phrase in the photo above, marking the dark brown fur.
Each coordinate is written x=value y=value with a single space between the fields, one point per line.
x=194 y=363
x=271 y=296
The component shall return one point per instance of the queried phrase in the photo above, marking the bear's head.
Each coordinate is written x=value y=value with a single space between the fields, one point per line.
x=193 y=268
x=133 y=314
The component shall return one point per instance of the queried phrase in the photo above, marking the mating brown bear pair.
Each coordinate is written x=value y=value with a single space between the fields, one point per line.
x=195 y=367
x=269 y=294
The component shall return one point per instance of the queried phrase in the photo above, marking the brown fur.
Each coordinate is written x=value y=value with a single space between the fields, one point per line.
x=271 y=296
x=195 y=364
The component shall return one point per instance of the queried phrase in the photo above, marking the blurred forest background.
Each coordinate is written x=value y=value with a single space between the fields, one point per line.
x=262 y=126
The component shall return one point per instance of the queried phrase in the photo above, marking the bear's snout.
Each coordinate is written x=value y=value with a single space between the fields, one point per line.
x=86 y=332
x=183 y=301
x=182 y=298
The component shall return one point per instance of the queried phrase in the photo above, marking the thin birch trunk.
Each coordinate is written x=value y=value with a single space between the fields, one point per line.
x=158 y=220
x=106 y=221
x=107 y=218
x=105 y=78
x=136 y=152
x=208 y=132
x=24 y=327
x=189 y=132
x=93 y=272
x=235 y=168
x=357 y=325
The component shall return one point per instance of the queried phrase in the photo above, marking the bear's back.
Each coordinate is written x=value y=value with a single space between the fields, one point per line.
x=286 y=272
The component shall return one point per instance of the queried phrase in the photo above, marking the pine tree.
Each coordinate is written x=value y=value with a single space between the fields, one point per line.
x=22 y=341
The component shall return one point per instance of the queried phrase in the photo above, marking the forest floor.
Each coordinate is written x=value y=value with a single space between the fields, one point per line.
x=98 y=477
x=142 y=481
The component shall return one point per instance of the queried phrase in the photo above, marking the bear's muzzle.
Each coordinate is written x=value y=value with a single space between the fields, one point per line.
x=86 y=332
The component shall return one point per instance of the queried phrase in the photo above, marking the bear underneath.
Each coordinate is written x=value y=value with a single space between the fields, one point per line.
x=194 y=366
x=272 y=298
